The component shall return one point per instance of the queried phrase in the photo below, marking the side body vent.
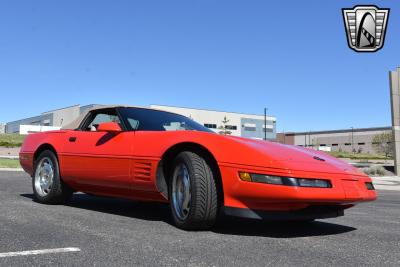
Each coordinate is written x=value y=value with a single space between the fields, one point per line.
x=142 y=170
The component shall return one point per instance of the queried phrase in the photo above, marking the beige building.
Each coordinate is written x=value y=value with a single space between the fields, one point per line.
x=357 y=140
x=52 y=118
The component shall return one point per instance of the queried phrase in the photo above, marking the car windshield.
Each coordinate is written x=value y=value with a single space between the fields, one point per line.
x=142 y=119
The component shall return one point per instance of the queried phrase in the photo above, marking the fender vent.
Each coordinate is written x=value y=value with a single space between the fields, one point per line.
x=142 y=171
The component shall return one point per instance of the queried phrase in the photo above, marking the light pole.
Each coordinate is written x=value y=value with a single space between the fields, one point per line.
x=352 y=139
x=284 y=137
x=265 y=123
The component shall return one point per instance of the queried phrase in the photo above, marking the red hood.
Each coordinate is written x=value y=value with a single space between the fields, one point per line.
x=269 y=154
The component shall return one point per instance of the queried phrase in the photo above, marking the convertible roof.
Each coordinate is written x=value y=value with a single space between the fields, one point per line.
x=75 y=123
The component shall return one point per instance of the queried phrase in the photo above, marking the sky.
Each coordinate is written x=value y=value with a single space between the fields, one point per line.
x=234 y=55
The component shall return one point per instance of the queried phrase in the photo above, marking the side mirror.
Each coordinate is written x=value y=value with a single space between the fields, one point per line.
x=112 y=127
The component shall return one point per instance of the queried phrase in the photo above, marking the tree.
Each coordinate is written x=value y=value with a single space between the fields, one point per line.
x=383 y=143
x=223 y=127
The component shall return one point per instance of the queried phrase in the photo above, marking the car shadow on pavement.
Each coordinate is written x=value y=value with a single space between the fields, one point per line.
x=248 y=227
x=226 y=225
x=150 y=211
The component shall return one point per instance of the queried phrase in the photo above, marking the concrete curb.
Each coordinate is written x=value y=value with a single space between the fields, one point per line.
x=387 y=183
x=11 y=170
x=9 y=157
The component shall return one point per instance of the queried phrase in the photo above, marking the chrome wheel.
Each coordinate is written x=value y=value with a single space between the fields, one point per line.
x=44 y=176
x=181 y=191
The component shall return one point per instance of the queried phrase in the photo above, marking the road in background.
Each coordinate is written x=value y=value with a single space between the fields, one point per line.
x=114 y=232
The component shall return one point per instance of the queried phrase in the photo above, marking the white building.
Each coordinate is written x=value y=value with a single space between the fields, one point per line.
x=27 y=129
x=2 y=128
x=245 y=125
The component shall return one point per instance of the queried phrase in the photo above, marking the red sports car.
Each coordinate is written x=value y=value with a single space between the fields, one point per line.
x=153 y=155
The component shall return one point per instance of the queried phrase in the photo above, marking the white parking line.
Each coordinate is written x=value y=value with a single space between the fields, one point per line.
x=36 y=252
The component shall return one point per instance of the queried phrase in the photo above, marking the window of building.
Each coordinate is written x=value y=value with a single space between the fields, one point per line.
x=334 y=144
x=322 y=145
x=347 y=144
x=361 y=144
x=210 y=125
x=268 y=130
x=250 y=129
x=231 y=127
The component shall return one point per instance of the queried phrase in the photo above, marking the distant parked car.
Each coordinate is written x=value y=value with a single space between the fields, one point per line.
x=152 y=155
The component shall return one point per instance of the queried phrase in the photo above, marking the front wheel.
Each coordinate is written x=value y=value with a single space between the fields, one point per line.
x=193 y=193
x=48 y=188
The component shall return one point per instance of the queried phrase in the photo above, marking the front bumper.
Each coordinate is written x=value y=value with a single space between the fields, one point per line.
x=310 y=213
x=346 y=190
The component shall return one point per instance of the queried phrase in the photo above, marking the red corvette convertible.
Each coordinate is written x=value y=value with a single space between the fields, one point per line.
x=152 y=155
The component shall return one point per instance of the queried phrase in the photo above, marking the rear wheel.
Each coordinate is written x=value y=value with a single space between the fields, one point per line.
x=48 y=188
x=193 y=192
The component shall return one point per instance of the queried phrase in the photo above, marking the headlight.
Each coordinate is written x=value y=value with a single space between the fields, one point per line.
x=314 y=183
x=281 y=180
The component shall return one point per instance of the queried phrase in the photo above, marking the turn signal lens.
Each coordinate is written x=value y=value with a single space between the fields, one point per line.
x=370 y=186
x=245 y=176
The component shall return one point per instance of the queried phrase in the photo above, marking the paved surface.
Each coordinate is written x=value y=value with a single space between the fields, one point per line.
x=112 y=232
x=387 y=183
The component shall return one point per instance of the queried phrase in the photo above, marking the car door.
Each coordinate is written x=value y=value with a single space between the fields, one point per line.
x=98 y=162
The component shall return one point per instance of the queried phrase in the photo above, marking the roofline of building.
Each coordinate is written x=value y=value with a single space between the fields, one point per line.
x=61 y=108
x=214 y=110
x=338 y=131
x=28 y=118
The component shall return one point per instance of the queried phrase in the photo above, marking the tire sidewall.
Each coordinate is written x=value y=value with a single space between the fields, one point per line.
x=56 y=177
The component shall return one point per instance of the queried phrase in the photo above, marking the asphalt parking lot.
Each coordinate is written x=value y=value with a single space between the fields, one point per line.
x=114 y=232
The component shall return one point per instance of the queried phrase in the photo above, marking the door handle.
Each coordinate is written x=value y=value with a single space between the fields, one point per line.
x=72 y=139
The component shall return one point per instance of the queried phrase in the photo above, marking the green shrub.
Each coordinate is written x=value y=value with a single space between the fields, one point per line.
x=374 y=170
x=11 y=140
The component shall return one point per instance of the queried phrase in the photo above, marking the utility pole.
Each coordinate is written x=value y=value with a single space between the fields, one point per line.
x=352 y=139
x=284 y=137
x=265 y=124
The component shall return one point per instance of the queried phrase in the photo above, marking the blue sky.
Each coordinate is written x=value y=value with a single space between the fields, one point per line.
x=291 y=56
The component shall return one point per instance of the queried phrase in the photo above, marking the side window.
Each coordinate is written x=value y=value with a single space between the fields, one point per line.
x=100 y=118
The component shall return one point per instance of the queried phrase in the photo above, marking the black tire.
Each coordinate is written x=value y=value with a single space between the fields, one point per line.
x=204 y=204
x=58 y=192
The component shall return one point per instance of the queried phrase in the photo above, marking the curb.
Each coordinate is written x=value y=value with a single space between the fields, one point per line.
x=387 y=183
x=9 y=157
x=11 y=170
